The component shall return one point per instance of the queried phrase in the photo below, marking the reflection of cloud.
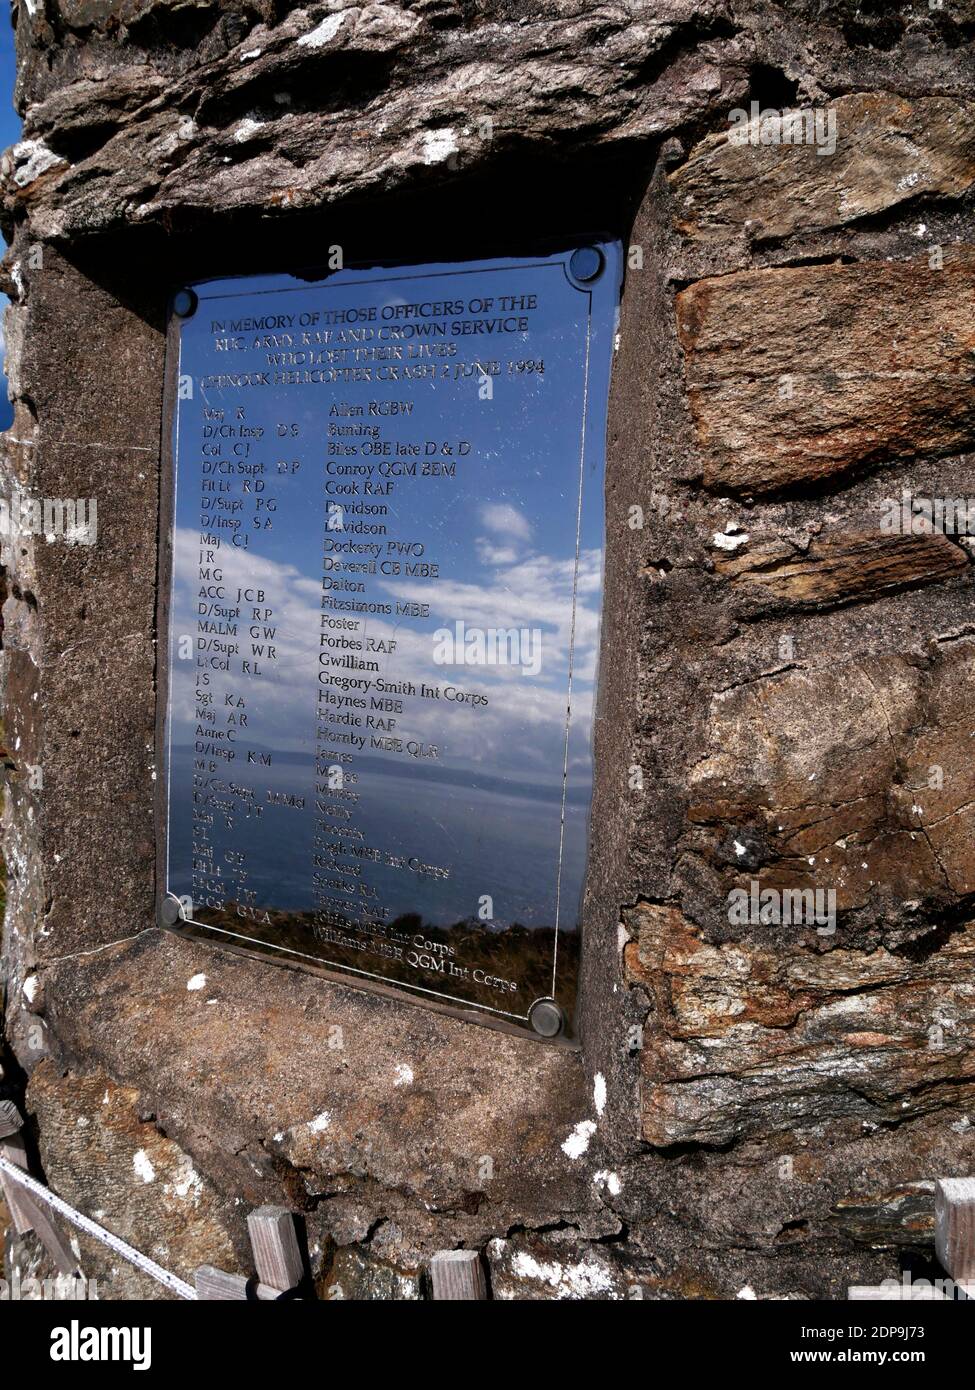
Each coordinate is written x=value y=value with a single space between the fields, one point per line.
x=502 y=519
x=490 y=554
x=535 y=592
x=519 y=732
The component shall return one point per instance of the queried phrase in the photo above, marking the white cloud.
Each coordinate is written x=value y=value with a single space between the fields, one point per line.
x=519 y=732
x=502 y=519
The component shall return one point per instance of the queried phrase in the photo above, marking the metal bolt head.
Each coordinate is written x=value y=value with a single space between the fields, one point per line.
x=546 y=1018
x=170 y=911
x=184 y=304
x=586 y=264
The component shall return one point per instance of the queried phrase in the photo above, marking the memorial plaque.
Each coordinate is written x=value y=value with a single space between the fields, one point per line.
x=384 y=578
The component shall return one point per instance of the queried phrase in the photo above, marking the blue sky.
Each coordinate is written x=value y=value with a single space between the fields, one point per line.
x=9 y=135
x=9 y=120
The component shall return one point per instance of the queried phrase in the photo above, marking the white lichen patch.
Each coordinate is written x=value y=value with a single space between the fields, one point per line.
x=196 y=982
x=318 y=37
x=599 y=1092
x=31 y=159
x=439 y=145
x=186 y=1182
x=723 y=541
x=404 y=1075
x=578 y=1141
x=585 y=1279
x=320 y=1123
x=143 y=1166
x=610 y=1181
x=247 y=129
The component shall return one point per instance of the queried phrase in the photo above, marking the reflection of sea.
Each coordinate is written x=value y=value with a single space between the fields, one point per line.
x=494 y=843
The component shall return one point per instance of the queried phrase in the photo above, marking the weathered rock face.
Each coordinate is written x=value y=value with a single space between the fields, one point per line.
x=858 y=779
x=885 y=151
x=149 y=1192
x=787 y=688
x=753 y=1039
x=779 y=575
x=884 y=371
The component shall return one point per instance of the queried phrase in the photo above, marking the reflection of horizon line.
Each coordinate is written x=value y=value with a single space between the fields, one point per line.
x=579 y=788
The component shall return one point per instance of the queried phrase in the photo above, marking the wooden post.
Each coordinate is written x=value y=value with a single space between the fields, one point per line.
x=21 y=1211
x=458 y=1275
x=28 y=1215
x=954 y=1227
x=52 y=1240
x=277 y=1257
x=10 y=1120
x=215 y=1284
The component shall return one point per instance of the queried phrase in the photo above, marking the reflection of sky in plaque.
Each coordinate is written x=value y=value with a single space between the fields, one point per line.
x=506 y=531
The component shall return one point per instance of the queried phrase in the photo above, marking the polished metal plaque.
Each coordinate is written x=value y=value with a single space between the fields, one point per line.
x=384 y=579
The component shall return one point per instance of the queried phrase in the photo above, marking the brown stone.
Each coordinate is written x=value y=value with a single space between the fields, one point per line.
x=800 y=376
x=888 y=150
x=371 y=1102
x=835 y=774
x=121 y=1171
x=838 y=568
x=902 y=1217
x=221 y=138
x=750 y=1040
x=356 y=1277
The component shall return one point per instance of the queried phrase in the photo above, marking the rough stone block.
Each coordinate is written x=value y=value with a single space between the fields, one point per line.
x=888 y=149
x=119 y=1169
x=808 y=374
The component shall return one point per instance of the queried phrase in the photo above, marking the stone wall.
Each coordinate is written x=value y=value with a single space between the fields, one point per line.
x=787 y=688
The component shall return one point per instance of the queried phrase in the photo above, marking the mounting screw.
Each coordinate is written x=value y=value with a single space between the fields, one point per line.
x=586 y=264
x=170 y=911
x=184 y=304
x=546 y=1018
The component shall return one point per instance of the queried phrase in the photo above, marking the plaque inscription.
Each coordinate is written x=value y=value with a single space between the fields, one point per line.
x=383 y=622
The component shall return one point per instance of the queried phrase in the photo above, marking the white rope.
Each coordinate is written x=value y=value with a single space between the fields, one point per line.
x=91 y=1228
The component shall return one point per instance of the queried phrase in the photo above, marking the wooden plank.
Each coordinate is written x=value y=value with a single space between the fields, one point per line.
x=216 y=1284
x=20 y=1208
x=274 y=1241
x=954 y=1227
x=29 y=1215
x=458 y=1275
x=51 y=1238
x=10 y=1121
